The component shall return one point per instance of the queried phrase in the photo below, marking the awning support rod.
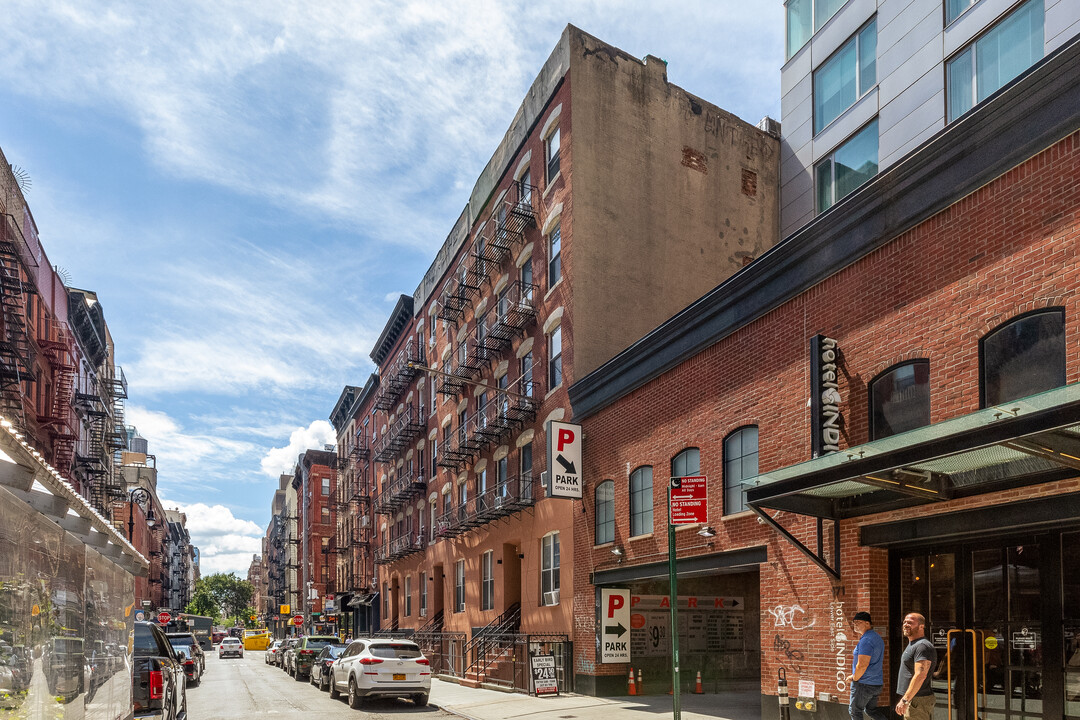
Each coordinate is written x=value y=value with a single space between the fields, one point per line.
x=816 y=558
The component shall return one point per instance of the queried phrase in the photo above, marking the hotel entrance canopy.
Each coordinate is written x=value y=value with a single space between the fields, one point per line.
x=1032 y=440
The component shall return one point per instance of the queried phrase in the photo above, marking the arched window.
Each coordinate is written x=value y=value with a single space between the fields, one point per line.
x=687 y=463
x=740 y=463
x=641 y=501
x=605 y=512
x=1023 y=356
x=900 y=399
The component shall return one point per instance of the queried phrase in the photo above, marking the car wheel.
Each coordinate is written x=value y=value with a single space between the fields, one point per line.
x=355 y=701
x=311 y=678
x=420 y=700
x=323 y=683
x=334 y=692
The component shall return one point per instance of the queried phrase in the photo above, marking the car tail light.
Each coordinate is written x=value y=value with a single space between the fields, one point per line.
x=157 y=684
x=370 y=661
x=189 y=662
x=423 y=661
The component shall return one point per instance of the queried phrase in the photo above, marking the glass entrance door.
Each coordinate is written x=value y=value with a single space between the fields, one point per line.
x=987 y=607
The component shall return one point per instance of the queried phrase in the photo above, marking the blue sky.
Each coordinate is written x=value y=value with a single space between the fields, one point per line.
x=249 y=184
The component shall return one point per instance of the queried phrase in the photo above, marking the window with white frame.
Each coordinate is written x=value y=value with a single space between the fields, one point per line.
x=487 y=581
x=408 y=596
x=525 y=478
x=549 y=569
x=740 y=464
x=554 y=255
x=434 y=397
x=459 y=586
x=555 y=358
x=995 y=58
x=848 y=166
x=641 y=501
x=524 y=184
x=526 y=374
x=527 y=281
x=501 y=480
x=551 y=153
x=435 y=456
x=481 y=490
x=806 y=17
x=325 y=486
x=845 y=77
x=605 y=512
x=423 y=594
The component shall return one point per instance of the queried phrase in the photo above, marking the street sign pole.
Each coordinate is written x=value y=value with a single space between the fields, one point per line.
x=673 y=592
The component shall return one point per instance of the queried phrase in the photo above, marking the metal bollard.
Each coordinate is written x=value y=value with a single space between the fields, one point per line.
x=781 y=691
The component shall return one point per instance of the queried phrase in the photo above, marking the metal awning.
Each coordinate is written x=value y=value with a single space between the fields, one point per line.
x=363 y=600
x=1031 y=440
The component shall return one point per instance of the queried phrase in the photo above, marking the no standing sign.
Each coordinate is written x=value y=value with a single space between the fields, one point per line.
x=689 y=500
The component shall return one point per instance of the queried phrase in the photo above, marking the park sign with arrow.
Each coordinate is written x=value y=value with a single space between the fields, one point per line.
x=614 y=625
x=564 y=460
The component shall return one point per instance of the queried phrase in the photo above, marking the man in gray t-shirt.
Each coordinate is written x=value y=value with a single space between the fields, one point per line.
x=913 y=679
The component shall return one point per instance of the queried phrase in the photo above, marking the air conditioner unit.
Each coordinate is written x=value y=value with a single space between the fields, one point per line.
x=499 y=500
x=551 y=598
x=364 y=521
x=423 y=612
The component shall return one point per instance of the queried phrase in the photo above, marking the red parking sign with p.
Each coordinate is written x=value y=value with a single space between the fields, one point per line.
x=564 y=460
x=614 y=625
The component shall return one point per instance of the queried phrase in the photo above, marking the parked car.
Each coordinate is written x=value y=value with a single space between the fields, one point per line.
x=67 y=673
x=390 y=668
x=158 y=682
x=230 y=646
x=305 y=651
x=287 y=651
x=319 y=675
x=194 y=658
x=273 y=653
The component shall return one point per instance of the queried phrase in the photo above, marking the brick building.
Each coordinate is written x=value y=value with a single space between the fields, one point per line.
x=614 y=199
x=314 y=481
x=885 y=407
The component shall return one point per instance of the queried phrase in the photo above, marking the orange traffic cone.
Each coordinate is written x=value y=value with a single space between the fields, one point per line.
x=633 y=686
x=697 y=686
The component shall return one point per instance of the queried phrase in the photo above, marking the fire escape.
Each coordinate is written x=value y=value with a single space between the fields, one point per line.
x=92 y=459
x=59 y=420
x=17 y=353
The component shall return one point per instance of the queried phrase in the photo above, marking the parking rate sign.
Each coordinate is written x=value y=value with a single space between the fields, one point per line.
x=614 y=625
x=564 y=459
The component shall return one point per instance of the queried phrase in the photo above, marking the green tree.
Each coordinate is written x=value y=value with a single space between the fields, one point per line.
x=228 y=594
x=202 y=603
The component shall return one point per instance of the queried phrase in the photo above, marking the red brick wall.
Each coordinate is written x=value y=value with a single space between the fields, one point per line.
x=930 y=293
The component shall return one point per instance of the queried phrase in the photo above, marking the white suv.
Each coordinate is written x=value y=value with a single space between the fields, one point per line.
x=392 y=668
x=230 y=646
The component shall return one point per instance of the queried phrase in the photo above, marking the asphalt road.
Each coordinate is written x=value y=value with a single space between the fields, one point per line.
x=249 y=688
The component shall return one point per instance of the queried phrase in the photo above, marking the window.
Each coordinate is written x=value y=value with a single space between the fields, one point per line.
x=900 y=399
x=740 y=463
x=554 y=247
x=325 y=545
x=687 y=463
x=527 y=374
x=845 y=77
x=555 y=358
x=641 y=501
x=481 y=490
x=1024 y=356
x=989 y=63
x=525 y=188
x=434 y=397
x=526 y=469
x=849 y=166
x=501 y=490
x=487 y=581
x=386 y=601
x=805 y=17
x=325 y=515
x=435 y=456
x=551 y=153
x=605 y=512
x=955 y=8
x=423 y=594
x=325 y=486
x=527 y=281
x=549 y=569
x=408 y=596
x=459 y=586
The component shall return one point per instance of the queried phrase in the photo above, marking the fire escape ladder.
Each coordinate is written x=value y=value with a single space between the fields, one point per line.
x=17 y=354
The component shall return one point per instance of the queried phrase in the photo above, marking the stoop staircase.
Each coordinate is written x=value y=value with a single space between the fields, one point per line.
x=490 y=645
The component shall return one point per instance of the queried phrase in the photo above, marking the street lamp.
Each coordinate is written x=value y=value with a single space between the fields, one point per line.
x=139 y=495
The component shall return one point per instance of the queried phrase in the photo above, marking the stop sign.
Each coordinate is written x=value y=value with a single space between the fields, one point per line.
x=164 y=618
x=298 y=620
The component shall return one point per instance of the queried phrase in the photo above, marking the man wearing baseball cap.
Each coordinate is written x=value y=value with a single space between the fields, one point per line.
x=866 y=676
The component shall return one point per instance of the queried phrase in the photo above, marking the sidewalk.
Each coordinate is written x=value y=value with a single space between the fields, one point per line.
x=480 y=704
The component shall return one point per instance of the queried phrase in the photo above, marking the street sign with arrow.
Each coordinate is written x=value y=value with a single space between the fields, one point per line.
x=564 y=459
x=614 y=625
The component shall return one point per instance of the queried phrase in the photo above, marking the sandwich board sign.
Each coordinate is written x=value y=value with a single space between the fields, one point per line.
x=614 y=625
x=545 y=681
x=564 y=460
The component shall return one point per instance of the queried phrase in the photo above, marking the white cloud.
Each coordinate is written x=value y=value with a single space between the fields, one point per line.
x=226 y=543
x=177 y=450
x=313 y=437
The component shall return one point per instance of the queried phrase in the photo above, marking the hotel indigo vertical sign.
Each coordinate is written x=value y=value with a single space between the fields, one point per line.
x=824 y=396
